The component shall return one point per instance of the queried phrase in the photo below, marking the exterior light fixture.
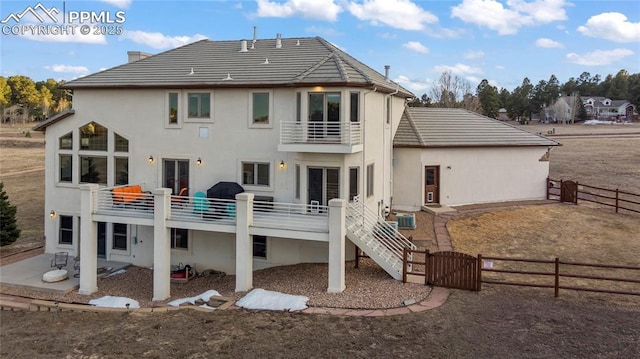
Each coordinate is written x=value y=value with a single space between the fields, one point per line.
x=52 y=214
x=282 y=164
x=199 y=161
x=151 y=159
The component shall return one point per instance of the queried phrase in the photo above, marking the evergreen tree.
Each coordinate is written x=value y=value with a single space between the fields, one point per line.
x=489 y=99
x=9 y=231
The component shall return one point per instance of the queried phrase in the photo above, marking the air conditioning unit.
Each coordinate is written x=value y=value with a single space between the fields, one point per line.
x=406 y=220
x=393 y=224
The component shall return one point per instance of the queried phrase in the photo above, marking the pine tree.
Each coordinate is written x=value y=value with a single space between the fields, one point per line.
x=9 y=231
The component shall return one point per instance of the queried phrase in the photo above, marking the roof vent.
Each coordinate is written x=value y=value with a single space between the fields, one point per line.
x=192 y=72
x=266 y=61
x=134 y=56
x=228 y=78
x=386 y=72
x=243 y=46
x=278 y=41
x=298 y=43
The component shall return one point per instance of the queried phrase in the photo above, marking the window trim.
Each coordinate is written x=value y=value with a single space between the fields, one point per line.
x=250 y=113
x=185 y=111
x=256 y=187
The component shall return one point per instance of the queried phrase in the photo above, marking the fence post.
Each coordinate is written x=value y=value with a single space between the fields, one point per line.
x=427 y=264
x=548 y=184
x=479 y=276
x=577 y=192
x=404 y=265
x=557 y=283
x=617 y=197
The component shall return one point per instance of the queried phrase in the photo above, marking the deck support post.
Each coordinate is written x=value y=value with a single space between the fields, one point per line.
x=88 y=242
x=244 y=244
x=337 y=233
x=161 y=244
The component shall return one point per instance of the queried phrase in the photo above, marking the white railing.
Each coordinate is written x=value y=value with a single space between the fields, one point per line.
x=291 y=216
x=375 y=230
x=202 y=209
x=344 y=133
x=119 y=201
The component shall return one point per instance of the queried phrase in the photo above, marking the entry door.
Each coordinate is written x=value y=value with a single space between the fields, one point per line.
x=102 y=239
x=176 y=176
x=432 y=184
x=323 y=185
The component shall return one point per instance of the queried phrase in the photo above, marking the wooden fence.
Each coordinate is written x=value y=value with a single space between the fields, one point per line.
x=570 y=191
x=462 y=271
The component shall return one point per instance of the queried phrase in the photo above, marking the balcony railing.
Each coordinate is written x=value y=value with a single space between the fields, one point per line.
x=343 y=133
x=202 y=209
x=137 y=204
x=292 y=216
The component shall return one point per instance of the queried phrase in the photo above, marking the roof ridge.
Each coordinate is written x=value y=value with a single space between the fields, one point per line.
x=507 y=124
x=333 y=49
x=312 y=68
x=414 y=128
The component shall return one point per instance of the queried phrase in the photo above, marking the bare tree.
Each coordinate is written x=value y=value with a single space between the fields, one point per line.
x=449 y=91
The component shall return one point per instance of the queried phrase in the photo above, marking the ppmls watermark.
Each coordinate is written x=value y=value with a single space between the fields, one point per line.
x=53 y=21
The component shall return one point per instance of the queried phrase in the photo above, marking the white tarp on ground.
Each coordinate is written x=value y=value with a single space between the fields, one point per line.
x=206 y=296
x=114 y=302
x=265 y=299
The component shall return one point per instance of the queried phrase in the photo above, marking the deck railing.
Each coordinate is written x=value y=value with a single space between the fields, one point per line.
x=123 y=204
x=344 y=133
x=302 y=217
x=202 y=209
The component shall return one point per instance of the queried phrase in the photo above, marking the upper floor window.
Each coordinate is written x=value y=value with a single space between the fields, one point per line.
x=93 y=169
x=324 y=107
x=354 y=107
x=173 y=108
x=255 y=173
x=93 y=137
x=66 y=141
x=260 y=104
x=199 y=105
x=66 y=168
x=122 y=144
x=121 y=174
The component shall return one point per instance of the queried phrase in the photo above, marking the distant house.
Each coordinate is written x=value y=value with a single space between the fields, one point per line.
x=564 y=110
x=602 y=108
x=15 y=114
x=457 y=157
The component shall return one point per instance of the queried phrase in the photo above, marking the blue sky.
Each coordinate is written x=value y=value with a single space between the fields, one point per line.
x=502 y=41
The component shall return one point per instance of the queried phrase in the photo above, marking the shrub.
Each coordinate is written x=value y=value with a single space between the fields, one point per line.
x=9 y=231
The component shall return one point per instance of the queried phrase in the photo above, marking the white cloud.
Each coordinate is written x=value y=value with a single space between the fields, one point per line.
x=612 y=26
x=548 y=43
x=474 y=55
x=118 y=3
x=68 y=69
x=400 y=14
x=508 y=20
x=599 y=57
x=327 y=31
x=416 y=46
x=158 y=40
x=458 y=69
x=308 y=9
x=416 y=86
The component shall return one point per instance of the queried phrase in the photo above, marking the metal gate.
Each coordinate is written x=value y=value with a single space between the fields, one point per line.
x=452 y=270
x=569 y=192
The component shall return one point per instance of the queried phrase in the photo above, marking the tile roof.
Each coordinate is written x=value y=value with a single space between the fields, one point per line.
x=453 y=127
x=299 y=62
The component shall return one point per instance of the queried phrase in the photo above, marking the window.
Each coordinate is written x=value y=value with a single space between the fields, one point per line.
x=66 y=230
x=297 y=181
x=199 y=105
x=122 y=144
x=260 y=108
x=66 y=141
x=388 y=110
x=176 y=176
x=120 y=236
x=179 y=238
x=93 y=169
x=254 y=173
x=370 y=174
x=298 y=107
x=66 y=168
x=93 y=137
x=353 y=182
x=122 y=171
x=260 y=246
x=173 y=108
x=353 y=113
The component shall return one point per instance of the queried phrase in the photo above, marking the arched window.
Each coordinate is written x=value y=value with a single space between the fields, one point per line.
x=93 y=137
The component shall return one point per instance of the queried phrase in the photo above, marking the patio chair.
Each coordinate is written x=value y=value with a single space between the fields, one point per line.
x=60 y=260
x=200 y=203
x=76 y=266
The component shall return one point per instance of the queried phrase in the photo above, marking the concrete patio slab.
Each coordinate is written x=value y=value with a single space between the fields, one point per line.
x=27 y=274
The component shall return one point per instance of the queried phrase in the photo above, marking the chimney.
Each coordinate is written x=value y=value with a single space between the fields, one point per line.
x=255 y=34
x=386 y=72
x=134 y=56
x=243 y=46
x=278 y=41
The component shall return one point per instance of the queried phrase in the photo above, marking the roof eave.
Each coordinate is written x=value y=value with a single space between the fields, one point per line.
x=59 y=117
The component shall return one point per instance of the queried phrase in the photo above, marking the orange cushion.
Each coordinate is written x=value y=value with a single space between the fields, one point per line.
x=127 y=194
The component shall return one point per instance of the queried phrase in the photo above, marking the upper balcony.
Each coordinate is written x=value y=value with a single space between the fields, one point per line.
x=320 y=137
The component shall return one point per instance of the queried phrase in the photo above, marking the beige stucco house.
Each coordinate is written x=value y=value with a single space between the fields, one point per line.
x=457 y=157
x=300 y=125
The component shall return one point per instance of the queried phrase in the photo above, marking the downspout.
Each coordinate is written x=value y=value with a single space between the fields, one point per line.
x=390 y=145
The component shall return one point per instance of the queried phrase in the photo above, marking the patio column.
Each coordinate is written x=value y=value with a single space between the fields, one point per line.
x=337 y=233
x=88 y=241
x=161 y=244
x=244 y=245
